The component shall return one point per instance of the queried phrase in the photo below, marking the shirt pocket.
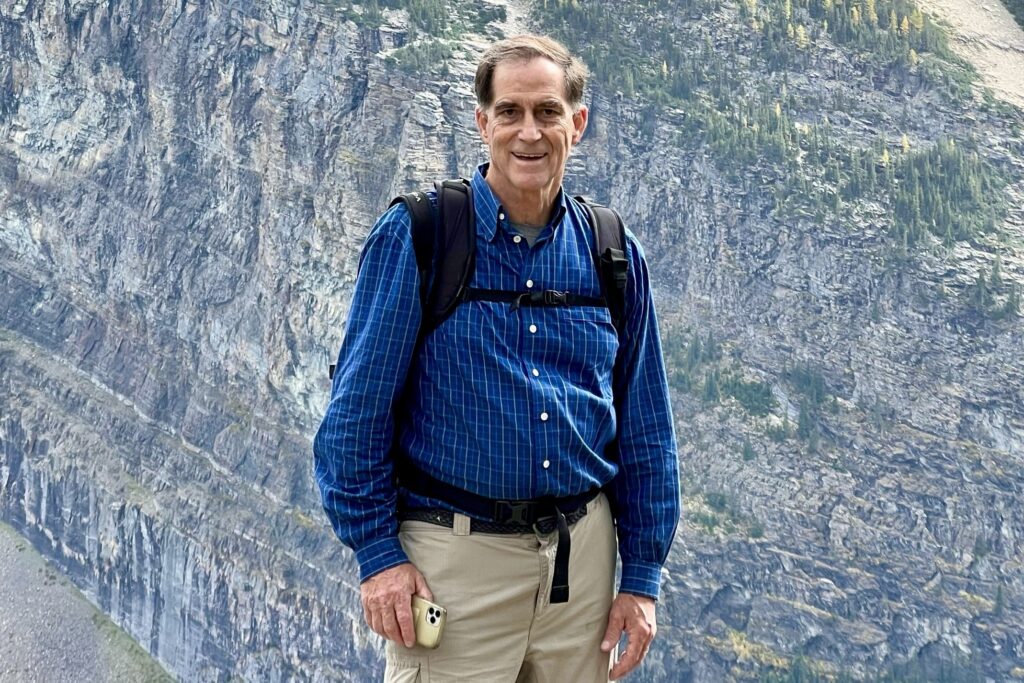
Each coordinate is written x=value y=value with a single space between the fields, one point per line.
x=587 y=344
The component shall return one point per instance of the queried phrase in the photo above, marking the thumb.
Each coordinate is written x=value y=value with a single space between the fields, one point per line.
x=421 y=588
x=611 y=634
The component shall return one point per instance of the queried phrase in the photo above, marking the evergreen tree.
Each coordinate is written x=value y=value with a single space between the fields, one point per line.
x=917 y=19
x=981 y=295
x=694 y=353
x=801 y=37
x=1012 y=305
x=711 y=391
x=805 y=422
x=870 y=12
x=748 y=450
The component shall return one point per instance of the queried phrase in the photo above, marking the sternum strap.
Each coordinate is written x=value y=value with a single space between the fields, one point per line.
x=547 y=297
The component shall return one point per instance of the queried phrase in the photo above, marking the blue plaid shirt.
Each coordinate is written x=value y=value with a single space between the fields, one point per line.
x=509 y=405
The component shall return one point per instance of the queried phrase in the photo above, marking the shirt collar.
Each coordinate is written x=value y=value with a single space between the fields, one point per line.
x=487 y=205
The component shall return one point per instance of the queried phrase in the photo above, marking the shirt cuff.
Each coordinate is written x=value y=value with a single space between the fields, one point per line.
x=379 y=555
x=641 y=578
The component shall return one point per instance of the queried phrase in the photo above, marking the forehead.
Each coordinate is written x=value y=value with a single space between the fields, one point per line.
x=528 y=81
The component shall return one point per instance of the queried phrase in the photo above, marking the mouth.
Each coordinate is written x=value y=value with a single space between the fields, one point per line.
x=528 y=157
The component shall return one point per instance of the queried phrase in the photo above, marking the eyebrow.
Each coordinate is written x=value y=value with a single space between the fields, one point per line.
x=552 y=103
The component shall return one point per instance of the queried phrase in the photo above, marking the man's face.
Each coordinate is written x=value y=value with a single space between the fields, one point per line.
x=529 y=127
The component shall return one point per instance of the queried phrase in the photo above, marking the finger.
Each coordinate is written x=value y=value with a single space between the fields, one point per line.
x=377 y=623
x=616 y=624
x=621 y=668
x=391 y=630
x=422 y=589
x=406 y=627
x=630 y=658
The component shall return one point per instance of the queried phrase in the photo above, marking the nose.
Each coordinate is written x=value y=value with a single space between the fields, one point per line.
x=529 y=131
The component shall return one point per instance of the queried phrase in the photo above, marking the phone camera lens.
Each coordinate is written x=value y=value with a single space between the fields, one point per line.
x=430 y=611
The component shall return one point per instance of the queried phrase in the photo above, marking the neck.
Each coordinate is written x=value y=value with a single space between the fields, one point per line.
x=526 y=208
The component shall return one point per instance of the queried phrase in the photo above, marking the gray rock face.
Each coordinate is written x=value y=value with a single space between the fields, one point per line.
x=184 y=188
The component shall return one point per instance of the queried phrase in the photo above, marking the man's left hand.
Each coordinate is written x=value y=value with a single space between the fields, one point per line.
x=633 y=614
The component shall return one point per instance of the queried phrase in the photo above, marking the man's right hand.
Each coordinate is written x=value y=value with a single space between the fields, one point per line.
x=387 y=601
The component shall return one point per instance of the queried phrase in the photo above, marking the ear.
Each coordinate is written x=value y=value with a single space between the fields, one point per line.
x=579 y=123
x=481 y=124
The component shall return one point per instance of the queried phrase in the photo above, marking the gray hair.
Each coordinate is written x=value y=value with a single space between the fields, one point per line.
x=524 y=48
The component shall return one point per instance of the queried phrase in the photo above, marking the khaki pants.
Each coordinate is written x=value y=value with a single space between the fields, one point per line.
x=501 y=627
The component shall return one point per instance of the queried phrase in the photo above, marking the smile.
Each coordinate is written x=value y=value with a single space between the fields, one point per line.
x=528 y=157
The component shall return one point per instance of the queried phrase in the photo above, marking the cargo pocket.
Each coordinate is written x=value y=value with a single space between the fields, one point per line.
x=401 y=670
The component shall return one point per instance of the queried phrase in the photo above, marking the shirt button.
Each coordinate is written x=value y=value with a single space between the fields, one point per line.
x=546 y=463
x=501 y=216
x=529 y=283
x=517 y=239
x=533 y=329
x=536 y=372
x=543 y=417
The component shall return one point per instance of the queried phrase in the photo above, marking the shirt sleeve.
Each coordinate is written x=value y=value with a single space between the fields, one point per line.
x=351 y=450
x=646 y=489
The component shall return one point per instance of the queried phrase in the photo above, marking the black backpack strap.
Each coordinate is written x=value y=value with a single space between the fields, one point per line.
x=423 y=216
x=445 y=241
x=609 y=257
x=454 y=251
x=547 y=297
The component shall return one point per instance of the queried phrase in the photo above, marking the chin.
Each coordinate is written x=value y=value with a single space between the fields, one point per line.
x=531 y=182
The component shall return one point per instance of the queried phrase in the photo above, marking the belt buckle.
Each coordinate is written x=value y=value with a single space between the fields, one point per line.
x=517 y=511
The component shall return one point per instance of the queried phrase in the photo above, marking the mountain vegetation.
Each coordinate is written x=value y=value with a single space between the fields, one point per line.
x=939 y=187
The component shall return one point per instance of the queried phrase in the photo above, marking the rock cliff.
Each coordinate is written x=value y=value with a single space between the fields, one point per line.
x=184 y=187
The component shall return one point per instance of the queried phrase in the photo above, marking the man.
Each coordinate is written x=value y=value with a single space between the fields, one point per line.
x=506 y=403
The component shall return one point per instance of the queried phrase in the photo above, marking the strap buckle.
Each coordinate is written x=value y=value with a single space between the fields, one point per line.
x=555 y=298
x=549 y=297
x=512 y=512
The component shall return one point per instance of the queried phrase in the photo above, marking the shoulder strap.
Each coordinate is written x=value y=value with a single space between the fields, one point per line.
x=609 y=256
x=421 y=211
x=445 y=244
x=454 y=251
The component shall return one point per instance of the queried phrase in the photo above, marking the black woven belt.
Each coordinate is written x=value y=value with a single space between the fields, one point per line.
x=502 y=516
x=446 y=518
x=518 y=517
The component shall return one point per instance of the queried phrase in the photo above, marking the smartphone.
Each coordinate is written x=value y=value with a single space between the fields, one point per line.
x=428 y=620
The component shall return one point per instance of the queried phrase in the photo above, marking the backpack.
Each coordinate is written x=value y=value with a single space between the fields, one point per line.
x=445 y=244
